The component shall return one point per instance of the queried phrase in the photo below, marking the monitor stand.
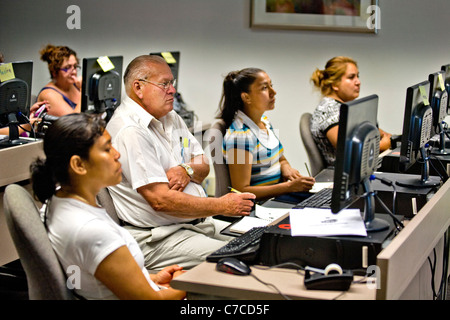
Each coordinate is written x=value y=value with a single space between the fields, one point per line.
x=425 y=181
x=13 y=139
x=441 y=149
x=372 y=223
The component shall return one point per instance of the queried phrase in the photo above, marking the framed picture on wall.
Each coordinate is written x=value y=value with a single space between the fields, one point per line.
x=326 y=15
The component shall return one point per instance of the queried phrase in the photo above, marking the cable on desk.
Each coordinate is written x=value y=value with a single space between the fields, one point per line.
x=398 y=224
x=272 y=286
x=28 y=122
x=300 y=270
x=394 y=193
x=297 y=267
x=443 y=177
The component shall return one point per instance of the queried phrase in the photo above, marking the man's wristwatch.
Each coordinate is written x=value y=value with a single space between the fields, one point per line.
x=188 y=169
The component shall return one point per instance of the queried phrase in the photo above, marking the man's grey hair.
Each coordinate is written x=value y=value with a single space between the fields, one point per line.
x=140 y=68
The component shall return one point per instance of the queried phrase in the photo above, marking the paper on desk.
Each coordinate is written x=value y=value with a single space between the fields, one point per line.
x=322 y=222
x=247 y=223
x=263 y=216
x=270 y=214
x=320 y=185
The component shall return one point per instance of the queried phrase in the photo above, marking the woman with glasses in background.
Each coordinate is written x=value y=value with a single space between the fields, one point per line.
x=63 y=92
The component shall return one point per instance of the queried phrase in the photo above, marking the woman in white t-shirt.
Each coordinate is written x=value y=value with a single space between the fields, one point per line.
x=104 y=260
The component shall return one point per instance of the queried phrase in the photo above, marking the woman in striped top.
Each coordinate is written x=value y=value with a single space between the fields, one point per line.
x=251 y=147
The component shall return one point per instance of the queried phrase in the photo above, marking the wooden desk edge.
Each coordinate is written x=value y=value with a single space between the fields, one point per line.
x=397 y=265
x=205 y=280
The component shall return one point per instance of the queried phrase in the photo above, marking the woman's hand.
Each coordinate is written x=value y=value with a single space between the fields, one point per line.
x=34 y=115
x=164 y=276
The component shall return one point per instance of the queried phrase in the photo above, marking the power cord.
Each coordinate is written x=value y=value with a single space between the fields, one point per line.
x=440 y=294
x=300 y=270
x=28 y=122
x=399 y=225
x=271 y=285
x=444 y=177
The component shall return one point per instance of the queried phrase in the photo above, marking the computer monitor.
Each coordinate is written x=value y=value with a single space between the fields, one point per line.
x=438 y=97
x=15 y=95
x=173 y=60
x=416 y=134
x=358 y=148
x=446 y=70
x=101 y=88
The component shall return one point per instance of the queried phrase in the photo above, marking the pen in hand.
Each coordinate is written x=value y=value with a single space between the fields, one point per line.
x=237 y=191
x=307 y=169
x=234 y=190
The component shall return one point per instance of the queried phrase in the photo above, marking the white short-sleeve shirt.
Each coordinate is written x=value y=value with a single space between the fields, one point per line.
x=82 y=237
x=149 y=148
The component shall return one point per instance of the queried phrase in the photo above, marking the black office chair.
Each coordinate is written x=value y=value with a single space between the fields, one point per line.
x=316 y=161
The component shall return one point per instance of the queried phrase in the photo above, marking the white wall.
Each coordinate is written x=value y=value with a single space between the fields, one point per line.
x=214 y=38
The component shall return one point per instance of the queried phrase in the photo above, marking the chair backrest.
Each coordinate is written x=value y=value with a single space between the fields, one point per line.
x=214 y=140
x=45 y=277
x=316 y=161
x=105 y=200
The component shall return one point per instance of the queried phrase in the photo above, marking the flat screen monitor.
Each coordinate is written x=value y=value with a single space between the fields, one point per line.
x=358 y=148
x=446 y=70
x=101 y=88
x=173 y=60
x=416 y=134
x=15 y=95
x=438 y=97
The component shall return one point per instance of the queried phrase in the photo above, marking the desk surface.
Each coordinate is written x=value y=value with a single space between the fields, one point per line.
x=402 y=265
x=205 y=280
x=16 y=161
x=15 y=167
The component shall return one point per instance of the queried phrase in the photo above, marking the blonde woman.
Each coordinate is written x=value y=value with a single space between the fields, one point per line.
x=338 y=83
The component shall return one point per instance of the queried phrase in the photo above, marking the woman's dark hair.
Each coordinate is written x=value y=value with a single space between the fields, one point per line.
x=234 y=84
x=72 y=134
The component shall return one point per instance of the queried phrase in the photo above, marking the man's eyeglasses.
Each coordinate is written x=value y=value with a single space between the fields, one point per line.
x=70 y=68
x=166 y=85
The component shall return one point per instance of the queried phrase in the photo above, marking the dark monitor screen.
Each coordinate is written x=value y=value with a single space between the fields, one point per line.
x=358 y=148
x=173 y=60
x=439 y=103
x=101 y=87
x=438 y=97
x=15 y=95
x=416 y=134
x=446 y=70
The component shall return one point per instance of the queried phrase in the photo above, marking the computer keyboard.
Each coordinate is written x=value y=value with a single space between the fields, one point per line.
x=321 y=200
x=244 y=247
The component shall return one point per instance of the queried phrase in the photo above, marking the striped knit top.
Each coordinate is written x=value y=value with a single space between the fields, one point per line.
x=264 y=146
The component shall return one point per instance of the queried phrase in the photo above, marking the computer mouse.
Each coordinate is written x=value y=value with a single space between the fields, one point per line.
x=233 y=266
